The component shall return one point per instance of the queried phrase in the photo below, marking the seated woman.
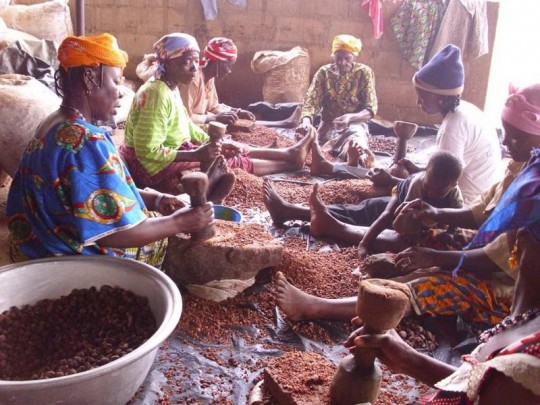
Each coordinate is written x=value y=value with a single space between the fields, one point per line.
x=72 y=194
x=480 y=292
x=343 y=92
x=161 y=140
x=465 y=130
x=505 y=367
x=200 y=96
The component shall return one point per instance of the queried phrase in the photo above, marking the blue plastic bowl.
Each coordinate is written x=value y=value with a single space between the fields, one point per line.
x=227 y=213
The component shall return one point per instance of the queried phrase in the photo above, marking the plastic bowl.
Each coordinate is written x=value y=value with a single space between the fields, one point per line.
x=227 y=213
x=112 y=383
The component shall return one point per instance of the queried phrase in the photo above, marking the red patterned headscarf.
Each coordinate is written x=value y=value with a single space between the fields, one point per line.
x=221 y=49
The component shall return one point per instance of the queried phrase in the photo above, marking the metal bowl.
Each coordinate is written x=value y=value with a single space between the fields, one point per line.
x=112 y=383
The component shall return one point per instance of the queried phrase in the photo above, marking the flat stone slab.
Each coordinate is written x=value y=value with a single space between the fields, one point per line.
x=238 y=251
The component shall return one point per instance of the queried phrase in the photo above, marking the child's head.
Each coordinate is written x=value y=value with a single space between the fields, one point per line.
x=442 y=173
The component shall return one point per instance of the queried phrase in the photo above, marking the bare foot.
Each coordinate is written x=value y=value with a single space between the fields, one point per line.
x=319 y=164
x=217 y=168
x=322 y=222
x=353 y=154
x=296 y=304
x=299 y=152
x=220 y=181
x=294 y=119
x=275 y=205
x=222 y=188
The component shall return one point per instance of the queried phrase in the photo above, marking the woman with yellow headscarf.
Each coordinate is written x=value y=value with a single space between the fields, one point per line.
x=72 y=193
x=343 y=94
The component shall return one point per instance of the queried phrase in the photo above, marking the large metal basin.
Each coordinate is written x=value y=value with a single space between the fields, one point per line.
x=117 y=381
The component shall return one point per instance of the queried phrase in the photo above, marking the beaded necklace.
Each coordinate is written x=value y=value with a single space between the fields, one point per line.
x=508 y=322
x=77 y=112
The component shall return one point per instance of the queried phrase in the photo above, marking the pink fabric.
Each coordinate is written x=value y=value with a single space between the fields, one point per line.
x=521 y=114
x=374 y=9
x=168 y=179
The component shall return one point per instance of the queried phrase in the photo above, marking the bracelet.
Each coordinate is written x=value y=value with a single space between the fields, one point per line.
x=157 y=201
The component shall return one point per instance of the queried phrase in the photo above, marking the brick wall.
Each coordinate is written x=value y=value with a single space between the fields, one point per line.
x=279 y=25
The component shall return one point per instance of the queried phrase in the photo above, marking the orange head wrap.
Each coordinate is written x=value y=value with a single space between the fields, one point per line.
x=91 y=51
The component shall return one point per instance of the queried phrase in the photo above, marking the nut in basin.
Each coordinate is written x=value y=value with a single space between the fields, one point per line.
x=112 y=382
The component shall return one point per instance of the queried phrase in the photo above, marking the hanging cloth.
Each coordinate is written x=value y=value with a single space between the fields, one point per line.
x=414 y=25
x=210 y=7
x=374 y=9
x=470 y=34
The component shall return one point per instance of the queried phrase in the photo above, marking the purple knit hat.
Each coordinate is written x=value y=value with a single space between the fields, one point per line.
x=443 y=74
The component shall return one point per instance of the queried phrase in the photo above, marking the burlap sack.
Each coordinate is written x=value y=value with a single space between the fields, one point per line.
x=24 y=103
x=50 y=20
x=8 y=36
x=286 y=74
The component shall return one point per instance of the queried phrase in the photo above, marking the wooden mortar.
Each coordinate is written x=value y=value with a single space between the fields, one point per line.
x=195 y=185
x=381 y=304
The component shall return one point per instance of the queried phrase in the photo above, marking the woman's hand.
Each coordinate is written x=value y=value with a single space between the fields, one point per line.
x=230 y=150
x=245 y=115
x=194 y=219
x=392 y=350
x=343 y=121
x=228 y=117
x=415 y=258
x=168 y=204
x=207 y=152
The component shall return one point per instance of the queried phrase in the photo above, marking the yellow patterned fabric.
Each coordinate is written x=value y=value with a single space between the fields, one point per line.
x=346 y=43
x=337 y=94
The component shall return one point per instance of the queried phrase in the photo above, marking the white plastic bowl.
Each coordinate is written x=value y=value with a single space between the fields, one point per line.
x=117 y=381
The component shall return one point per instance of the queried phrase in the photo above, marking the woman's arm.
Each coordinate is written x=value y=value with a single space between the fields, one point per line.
x=474 y=260
x=401 y=357
x=313 y=99
x=186 y=220
x=462 y=217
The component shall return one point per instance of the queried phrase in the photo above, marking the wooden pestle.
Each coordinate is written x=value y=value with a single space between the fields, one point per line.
x=381 y=304
x=195 y=185
x=216 y=132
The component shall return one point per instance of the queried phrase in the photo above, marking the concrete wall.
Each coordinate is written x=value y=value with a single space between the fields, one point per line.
x=279 y=25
